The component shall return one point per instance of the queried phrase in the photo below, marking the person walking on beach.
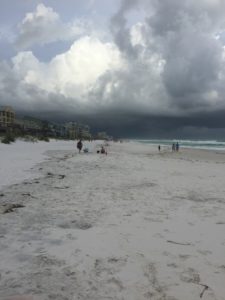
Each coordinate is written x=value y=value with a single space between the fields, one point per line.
x=177 y=146
x=173 y=147
x=159 y=148
x=79 y=145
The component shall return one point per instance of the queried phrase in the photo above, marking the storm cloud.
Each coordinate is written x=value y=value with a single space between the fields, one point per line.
x=158 y=66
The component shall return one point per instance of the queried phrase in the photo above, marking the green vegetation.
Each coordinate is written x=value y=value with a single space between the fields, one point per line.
x=43 y=138
x=8 y=138
x=29 y=138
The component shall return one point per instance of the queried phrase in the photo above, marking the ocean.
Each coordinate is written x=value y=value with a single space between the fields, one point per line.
x=207 y=145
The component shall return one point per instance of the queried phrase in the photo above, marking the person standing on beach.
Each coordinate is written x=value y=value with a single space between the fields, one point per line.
x=79 y=145
x=159 y=148
x=173 y=147
x=177 y=146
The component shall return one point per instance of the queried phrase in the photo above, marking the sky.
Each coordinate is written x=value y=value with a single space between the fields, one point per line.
x=137 y=68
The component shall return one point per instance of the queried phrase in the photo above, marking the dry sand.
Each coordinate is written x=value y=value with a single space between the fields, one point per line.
x=133 y=225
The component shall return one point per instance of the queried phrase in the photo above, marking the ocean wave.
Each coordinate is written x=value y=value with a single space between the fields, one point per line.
x=201 y=144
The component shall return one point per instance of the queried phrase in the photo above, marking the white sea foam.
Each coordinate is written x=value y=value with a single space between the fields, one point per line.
x=199 y=144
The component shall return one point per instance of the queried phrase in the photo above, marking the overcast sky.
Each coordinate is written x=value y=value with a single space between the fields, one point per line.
x=135 y=67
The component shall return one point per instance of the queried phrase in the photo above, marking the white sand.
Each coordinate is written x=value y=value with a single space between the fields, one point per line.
x=132 y=225
x=17 y=159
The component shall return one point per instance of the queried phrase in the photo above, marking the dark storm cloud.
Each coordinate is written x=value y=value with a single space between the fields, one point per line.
x=184 y=36
x=119 y=26
x=121 y=124
x=189 y=99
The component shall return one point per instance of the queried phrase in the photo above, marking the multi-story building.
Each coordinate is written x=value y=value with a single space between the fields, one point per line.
x=77 y=131
x=85 y=132
x=7 y=116
x=102 y=136
x=71 y=129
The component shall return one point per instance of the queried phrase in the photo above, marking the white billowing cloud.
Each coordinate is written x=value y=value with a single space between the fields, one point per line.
x=25 y=62
x=44 y=26
x=137 y=34
x=71 y=75
x=86 y=61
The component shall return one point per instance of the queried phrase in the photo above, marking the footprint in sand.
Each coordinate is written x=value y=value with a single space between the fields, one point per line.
x=184 y=256
x=204 y=252
x=172 y=265
x=75 y=224
x=45 y=261
x=190 y=276
x=156 y=289
x=109 y=266
x=115 y=283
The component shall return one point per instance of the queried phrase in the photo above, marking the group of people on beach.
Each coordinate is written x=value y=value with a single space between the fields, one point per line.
x=175 y=147
x=80 y=146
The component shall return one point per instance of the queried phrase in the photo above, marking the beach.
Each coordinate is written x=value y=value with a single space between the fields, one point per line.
x=135 y=224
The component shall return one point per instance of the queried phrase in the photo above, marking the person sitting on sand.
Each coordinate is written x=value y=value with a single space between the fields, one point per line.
x=79 y=145
x=103 y=150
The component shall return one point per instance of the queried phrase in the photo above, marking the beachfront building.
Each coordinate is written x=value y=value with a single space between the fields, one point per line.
x=32 y=126
x=71 y=129
x=77 y=131
x=102 y=136
x=57 y=130
x=7 y=116
x=29 y=123
x=84 y=132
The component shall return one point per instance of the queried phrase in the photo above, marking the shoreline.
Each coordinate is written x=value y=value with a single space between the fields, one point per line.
x=187 y=144
x=200 y=154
